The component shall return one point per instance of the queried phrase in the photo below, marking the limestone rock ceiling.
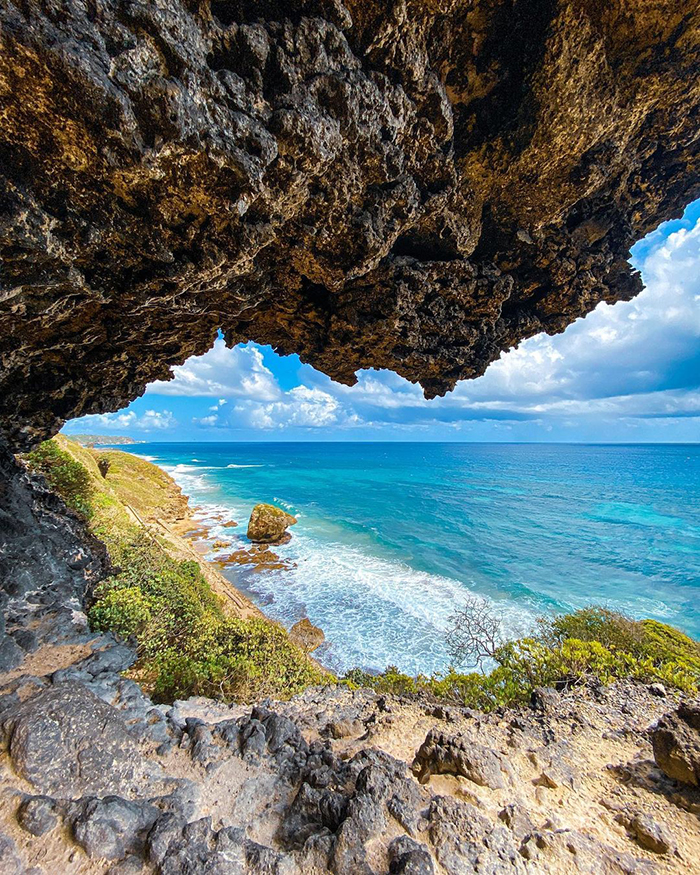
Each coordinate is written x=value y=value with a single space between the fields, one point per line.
x=415 y=185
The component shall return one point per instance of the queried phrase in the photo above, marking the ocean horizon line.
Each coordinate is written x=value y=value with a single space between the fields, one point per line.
x=440 y=442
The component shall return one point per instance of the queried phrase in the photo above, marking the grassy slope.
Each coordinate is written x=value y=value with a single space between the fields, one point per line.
x=129 y=479
x=132 y=492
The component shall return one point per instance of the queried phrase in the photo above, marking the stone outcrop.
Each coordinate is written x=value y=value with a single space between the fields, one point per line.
x=442 y=754
x=409 y=185
x=676 y=741
x=306 y=635
x=268 y=524
x=48 y=561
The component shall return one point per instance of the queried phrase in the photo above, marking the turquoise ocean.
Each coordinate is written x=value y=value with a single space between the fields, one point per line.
x=392 y=536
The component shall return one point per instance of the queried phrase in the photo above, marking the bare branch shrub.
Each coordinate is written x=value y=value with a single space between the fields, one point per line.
x=475 y=634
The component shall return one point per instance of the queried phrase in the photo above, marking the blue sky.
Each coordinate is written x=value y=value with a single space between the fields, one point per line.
x=627 y=372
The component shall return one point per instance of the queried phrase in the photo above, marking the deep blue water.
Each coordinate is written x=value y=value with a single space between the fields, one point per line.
x=391 y=536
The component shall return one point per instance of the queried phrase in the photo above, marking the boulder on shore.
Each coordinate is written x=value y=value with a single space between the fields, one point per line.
x=306 y=635
x=268 y=524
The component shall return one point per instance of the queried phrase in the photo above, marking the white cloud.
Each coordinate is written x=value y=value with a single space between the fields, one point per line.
x=632 y=361
x=222 y=373
x=207 y=421
x=150 y=420
x=634 y=358
x=302 y=406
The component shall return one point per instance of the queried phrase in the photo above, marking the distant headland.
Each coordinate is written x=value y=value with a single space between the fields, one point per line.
x=101 y=440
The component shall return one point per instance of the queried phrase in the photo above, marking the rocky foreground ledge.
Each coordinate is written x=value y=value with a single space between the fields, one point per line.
x=95 y=777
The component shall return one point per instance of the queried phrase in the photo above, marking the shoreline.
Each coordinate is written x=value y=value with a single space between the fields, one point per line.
x=163 y=509
x=176 y=533
x=193 y=534
x=152 y=501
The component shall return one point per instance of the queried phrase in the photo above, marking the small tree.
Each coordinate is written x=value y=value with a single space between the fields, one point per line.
x=475 y=632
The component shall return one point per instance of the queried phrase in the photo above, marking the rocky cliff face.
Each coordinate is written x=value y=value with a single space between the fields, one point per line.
x=410 y=185
x=48 y=562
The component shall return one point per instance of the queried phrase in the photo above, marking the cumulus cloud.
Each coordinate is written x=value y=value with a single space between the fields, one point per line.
x=302 y=406
x=207 y=421
x=635 y=359
x=648 y=345
x=222 y=373
x=150 y=420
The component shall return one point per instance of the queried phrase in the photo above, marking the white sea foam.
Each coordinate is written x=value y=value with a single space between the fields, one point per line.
x=287 y=506
x=190 y=479
x=244 y=466
x=375 y=611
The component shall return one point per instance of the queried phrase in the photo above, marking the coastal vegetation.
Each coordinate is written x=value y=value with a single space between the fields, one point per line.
x=187 y=641
x=593 y=645
x=188 y=644
x=65 y=475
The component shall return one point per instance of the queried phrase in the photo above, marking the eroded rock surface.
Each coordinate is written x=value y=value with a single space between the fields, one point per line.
x=410 y=185
x=268 y=524
x=442 y=754
x=676 y=742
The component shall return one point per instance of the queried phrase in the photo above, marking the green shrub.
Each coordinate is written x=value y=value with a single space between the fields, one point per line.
x=593 y=644
x=610 y=628
x=663 y=644
x=64 y=475
x=179 y=589
x=125 y=612
x=186 y=644
x=236 y=660
x=391 y=680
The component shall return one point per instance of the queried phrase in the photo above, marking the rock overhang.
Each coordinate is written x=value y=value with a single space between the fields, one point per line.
x=414 y=186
